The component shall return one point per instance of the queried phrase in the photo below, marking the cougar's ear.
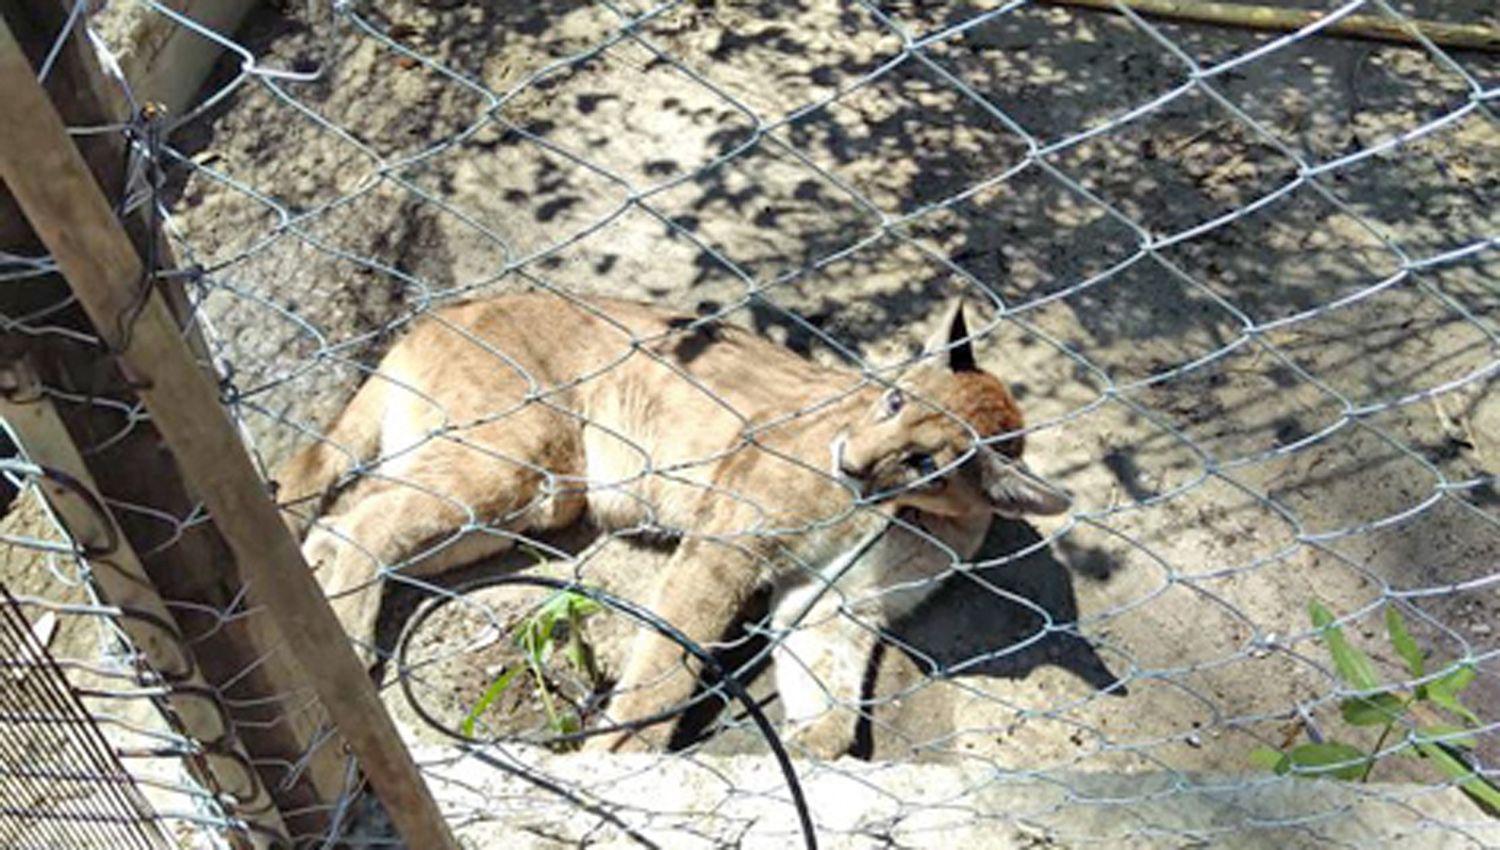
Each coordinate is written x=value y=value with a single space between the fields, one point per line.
x=951 y=339
x=1015 y=491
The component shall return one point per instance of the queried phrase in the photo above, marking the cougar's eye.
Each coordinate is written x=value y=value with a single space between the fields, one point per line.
x=891 y=403
x=921 y=462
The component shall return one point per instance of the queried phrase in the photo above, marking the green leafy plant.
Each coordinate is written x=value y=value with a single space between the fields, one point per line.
x=1436 y=721
x=554 y=626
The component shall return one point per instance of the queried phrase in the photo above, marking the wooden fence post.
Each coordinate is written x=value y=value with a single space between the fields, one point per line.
x=121 y=577
x=246 y=552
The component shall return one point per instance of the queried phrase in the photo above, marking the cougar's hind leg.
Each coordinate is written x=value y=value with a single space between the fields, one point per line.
x=306 y=480
x=701 y=593
x=425 y=518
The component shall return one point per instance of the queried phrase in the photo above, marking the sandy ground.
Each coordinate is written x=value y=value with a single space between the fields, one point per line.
x=446 y=149
x=964 y=807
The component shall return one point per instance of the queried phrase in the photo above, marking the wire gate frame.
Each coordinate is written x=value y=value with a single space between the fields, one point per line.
x=56 y=758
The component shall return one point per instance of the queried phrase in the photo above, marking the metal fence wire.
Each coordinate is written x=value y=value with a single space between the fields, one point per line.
x=63 y=785
x=1244 y=285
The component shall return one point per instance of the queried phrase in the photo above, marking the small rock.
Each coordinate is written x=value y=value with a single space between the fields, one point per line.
x=487 y=136
x=1262 y=647
x=45 y=628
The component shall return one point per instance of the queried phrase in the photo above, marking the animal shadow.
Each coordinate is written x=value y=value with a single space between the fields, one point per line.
x=1004 y=619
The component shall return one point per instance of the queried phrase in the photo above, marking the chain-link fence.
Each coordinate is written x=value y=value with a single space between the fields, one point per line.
x=1242 y=282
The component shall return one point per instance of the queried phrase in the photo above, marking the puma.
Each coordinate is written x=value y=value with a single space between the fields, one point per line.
x=844 y=493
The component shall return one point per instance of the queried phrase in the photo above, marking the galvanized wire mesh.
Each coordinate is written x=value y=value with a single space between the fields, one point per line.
x=63 y=782
x=1243 y=284
x=107 y=746
x=63 y=785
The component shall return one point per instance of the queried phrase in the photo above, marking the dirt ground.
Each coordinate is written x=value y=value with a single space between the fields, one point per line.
x=1343 y=451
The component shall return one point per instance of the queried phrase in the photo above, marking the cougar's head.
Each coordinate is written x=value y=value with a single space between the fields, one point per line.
x=924 y=444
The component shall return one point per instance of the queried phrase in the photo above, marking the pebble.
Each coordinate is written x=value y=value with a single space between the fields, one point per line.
x=1261 y=648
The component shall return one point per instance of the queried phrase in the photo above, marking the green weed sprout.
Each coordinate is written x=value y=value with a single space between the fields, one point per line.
x=1435 y=719
x=562 y=614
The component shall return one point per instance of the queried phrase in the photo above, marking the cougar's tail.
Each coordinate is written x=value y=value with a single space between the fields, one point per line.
x=305 y=482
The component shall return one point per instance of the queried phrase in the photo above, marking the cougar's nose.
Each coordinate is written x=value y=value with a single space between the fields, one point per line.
x=846 y=467
x=851 y=469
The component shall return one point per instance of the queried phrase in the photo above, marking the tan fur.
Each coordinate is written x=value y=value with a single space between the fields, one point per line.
x=523 y=411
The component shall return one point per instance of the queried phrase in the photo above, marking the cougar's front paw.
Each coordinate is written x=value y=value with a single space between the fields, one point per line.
x=827 y=736
x=321 y=549
x=615 y=742
x=650 y=739
x=350 y=584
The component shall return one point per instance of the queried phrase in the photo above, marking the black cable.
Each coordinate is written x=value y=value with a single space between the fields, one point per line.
x=712 y=669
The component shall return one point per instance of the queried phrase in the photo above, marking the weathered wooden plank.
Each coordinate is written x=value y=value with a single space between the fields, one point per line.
x=84 y=96
x=1254 y=16
x=56 y=191
x=165 y=59
x=122 y=578
x=243 y=658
